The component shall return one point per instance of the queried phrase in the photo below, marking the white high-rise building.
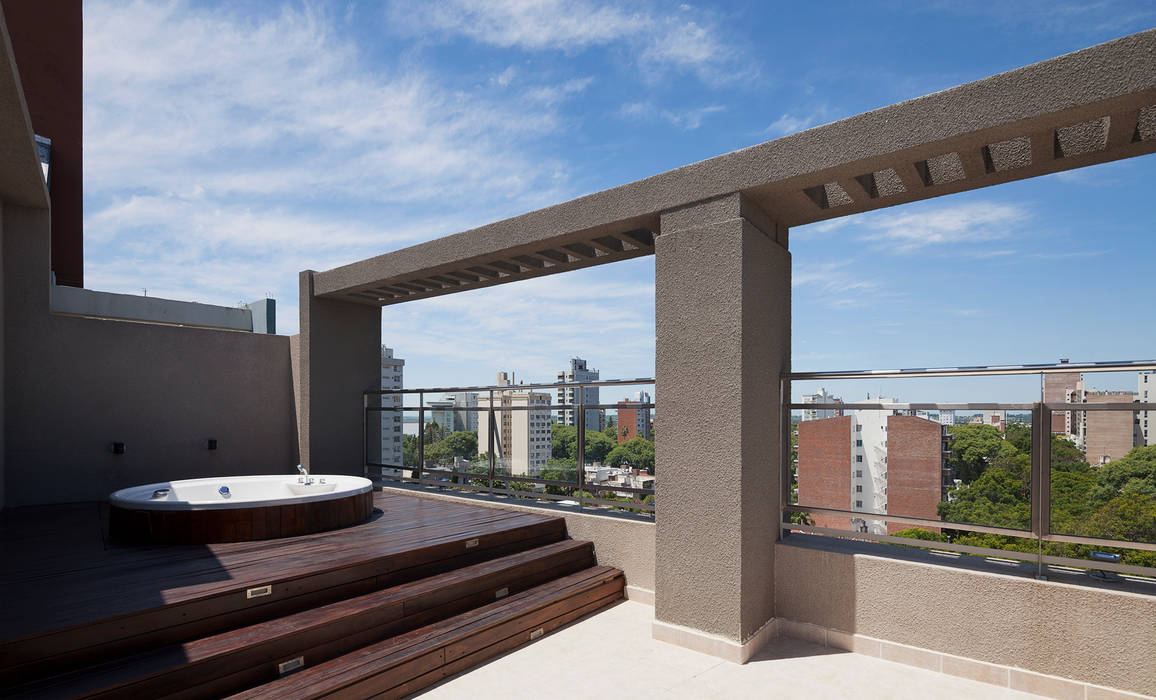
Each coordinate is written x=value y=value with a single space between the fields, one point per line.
x=441 y=415
x=943 y=417
x=1146 y=393
x=819 y=413
x=392 y=369
x=578 y=372
x=869 y=466
x=464 y=420
x=522 y=438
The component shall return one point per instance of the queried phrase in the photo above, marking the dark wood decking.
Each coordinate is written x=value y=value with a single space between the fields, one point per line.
x=72 y=599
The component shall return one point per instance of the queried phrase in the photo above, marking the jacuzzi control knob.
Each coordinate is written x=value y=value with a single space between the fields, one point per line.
x=224 y=491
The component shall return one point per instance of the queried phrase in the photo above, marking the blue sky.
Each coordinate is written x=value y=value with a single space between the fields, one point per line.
x=229 y=145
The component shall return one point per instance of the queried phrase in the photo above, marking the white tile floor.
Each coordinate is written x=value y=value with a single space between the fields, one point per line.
x=611 y=655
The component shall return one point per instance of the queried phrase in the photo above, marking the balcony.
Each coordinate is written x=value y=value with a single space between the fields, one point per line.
x=742 y=574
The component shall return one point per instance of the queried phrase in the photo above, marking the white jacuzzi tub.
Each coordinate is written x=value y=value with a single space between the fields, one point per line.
x=243 y=492
x=238 y=508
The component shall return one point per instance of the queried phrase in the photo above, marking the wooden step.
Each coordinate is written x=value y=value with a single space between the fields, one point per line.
x=409 y=662
x=143 y=610
x=241 y=658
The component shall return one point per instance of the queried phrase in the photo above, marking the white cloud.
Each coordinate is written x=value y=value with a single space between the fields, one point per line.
x=225 y=153
x=686 y=119
x=791 y=123
x=658 y=39
x=908 y=231
x=553 y=94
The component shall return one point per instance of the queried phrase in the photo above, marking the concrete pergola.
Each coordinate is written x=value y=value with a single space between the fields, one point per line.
x=719 y=231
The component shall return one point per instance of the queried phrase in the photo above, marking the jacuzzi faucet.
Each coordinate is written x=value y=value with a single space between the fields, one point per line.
x=305 y=478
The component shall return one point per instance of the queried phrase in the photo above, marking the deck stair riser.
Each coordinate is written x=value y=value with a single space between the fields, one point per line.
x=245 y=657
x=323 y=570
x=409 y=662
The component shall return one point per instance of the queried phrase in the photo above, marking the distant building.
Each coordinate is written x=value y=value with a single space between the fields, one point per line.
x=1059 y=388
x=821 y=397
x=872 y=462
x=943 y=417
x=1146 y=420
x=392 y=369
x=464 y=420
x=522 y=438
x=441 y=415
x=1106 y=435
x=579 y=372
x=634 y=421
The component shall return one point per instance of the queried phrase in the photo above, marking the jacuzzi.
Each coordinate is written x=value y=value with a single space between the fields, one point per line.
x=238 y=508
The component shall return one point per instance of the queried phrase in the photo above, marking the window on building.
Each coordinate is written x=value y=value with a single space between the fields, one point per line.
x=858 y=443
x=858 y=458
x=858 y=473
x=858 y=504
x=858 y=428
x=859 y=488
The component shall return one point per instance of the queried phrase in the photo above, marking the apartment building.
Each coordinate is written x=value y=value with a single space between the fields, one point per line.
x=872 y=462
x=392 y=371
x=1107 y=435
x=441 y=414
x=633 y=420
x=464 y=420
x=522 y=437
x=1146 y=420
x=821 y=397
x=1060 y=388
x=577 y=371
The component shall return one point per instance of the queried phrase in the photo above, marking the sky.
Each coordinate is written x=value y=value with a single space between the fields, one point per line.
x=229 y=145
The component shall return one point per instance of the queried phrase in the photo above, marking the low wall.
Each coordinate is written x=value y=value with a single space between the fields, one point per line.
x=1089 y=633
x=624 y=542
x=73 y=385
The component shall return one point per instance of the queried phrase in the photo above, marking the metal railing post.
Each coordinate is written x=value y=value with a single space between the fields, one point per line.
x=580 y=447
x=420 y=437
x=365 y=435
x=785 y=454
x=490 y=439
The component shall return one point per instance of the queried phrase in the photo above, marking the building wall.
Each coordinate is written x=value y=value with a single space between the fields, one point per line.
x=1057 y=388
x=632 y=421
x=392 y=422
x=825 y=468
x=914 y=469
x=1146 y=393
x=522 y=438
x=577 y=371
x=1108 y=435
x=46 y=40
x=74 y=385
x=1080 y=631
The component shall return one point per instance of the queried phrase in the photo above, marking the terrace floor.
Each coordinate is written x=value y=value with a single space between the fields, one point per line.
x=611 y=655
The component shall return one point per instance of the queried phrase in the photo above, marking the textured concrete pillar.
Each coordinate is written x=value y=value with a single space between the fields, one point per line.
x=723 y=305
x=339 y=356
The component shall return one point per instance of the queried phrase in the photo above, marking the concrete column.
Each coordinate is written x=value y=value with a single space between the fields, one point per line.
x=339 y=357
x=723 y=323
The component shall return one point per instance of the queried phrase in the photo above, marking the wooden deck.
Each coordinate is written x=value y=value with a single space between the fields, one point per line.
x=71 y=598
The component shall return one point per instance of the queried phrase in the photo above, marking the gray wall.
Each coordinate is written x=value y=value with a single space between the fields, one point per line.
x=73 y=385
x=1091 y=634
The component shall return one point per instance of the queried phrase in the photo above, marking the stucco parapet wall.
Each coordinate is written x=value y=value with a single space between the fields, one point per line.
x=21 y=179
x=1069 y=626
x=1087 y=107
x=620 y=540
x=130 y=307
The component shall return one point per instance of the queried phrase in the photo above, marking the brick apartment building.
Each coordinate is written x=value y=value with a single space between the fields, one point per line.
x=872 y=463
x=633 y=418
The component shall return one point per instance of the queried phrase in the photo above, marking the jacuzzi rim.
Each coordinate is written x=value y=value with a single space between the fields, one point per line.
x=117 y=498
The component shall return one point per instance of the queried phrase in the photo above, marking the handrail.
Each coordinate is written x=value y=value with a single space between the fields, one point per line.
x=515 y=387
x=977 y=370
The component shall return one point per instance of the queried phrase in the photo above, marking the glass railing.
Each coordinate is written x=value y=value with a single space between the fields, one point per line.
x=523 y=441
x=1066 y=477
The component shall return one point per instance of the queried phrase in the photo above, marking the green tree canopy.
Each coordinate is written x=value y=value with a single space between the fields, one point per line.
x=974 y=448
x=638 y=453
x=598 y=445
x=564 y=438
x=463 y=443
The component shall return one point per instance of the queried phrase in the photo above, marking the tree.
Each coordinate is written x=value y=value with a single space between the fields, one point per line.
x=434 y=433
x=463 y=443
x=974 y=447
x=598 y=445
x=1066 y=457
x=439 y=453
x=563 y=440
x=409 y=450
x=638 y=453
x=1020 y=437
x=996 y=498
x=1134 y=473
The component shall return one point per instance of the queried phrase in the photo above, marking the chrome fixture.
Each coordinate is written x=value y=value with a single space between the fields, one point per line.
x=224 y=491
x=304 y=478
x=161 y=493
